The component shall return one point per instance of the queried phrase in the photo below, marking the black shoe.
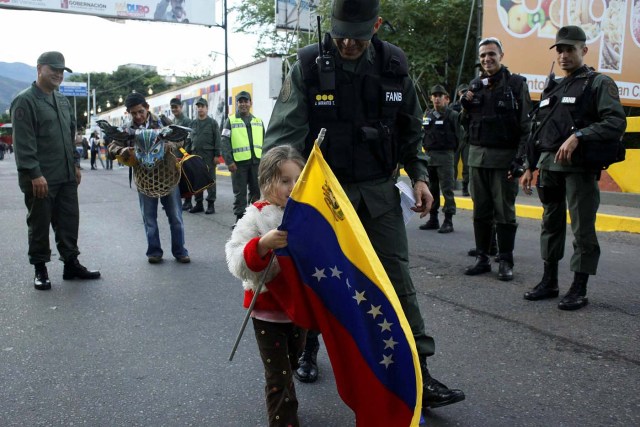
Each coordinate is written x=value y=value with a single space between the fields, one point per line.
x=465 y=189
x=210 y=209
x=41 y=280
x=431 y=224
x=505 y=270
x=187 y=205
x=548 y=286
x=307 y=371
x=576 y=298
x=447 y=227
x=435 y=394
x=482 y=265
x=74 y=270
x=197 y=208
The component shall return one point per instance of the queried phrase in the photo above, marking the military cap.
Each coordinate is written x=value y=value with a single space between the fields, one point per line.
x=571 y=35
x=243 y=94
x=439 y=89
x=202 y=101
x=462 y=87
x=354 y=19
x=175 y=101
x=53 y=60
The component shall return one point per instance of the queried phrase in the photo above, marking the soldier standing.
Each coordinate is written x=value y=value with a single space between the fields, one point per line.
x=575 y=111
x=205 y=142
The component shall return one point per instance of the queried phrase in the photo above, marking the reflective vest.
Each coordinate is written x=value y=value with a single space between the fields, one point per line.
x=240 y=145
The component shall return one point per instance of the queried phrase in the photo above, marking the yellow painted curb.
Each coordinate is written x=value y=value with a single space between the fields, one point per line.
x=604 y=222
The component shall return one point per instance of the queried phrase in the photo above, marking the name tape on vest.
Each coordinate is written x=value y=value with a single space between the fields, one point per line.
x=393 y=96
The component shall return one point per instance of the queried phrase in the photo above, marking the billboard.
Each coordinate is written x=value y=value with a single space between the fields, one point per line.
x=200 y=12
x=528 y=27
x=296 y=15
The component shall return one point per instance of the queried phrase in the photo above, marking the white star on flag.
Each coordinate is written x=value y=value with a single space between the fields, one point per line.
x=375 y=311
x=386 y=360
x=335 y=272
x=319 y=274
x=359 y=296
x=390 y=343
x=386 y=326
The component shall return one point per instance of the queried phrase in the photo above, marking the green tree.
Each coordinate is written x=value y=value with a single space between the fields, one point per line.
x=431 y=32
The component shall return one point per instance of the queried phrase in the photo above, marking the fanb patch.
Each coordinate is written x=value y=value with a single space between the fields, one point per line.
x=613 y=90
x=285 y=92
x=19 y=114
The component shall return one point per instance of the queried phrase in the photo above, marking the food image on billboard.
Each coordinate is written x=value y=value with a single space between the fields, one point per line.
x=612 y=28
x=635 y=22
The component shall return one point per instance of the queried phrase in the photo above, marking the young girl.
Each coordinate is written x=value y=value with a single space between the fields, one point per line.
x=248 y=253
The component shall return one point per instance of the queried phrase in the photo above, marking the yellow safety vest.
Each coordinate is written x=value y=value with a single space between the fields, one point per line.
x=240 y=146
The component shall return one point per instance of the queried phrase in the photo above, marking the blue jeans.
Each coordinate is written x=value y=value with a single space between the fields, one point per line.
x=173 y=208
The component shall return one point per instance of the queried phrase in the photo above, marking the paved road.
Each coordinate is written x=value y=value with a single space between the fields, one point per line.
x=147 y=345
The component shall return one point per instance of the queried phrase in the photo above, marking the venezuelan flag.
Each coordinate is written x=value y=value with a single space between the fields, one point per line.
x=336 y=284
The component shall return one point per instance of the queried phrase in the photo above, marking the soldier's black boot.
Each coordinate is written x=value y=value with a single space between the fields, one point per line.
x=187 y=204
x=482 y=265
x=493 y=248
x=434 y=393
x=576 y=298
x=198 y=207
x=447 y=224
x=505 y=268
x=210 y=209
x=548 y=286
x=506 y=239
x=74 y=270
x=41 y=279
x=432 y=223
x=307 y=371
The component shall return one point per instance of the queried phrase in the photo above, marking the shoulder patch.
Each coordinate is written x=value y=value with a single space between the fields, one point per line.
x=19 y=113
x=285 y=92
x=612 y=88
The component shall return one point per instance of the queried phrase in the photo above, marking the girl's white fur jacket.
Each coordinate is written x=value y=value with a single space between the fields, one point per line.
x=258 y=219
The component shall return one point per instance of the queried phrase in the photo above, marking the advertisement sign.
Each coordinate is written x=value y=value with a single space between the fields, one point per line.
x=528 y=27
x=200 y=12
x=296 y=15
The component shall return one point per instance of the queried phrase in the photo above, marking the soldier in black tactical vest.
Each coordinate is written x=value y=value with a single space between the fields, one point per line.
x=441 y=132
x=362 y=94
x=495 y=112
x=578 y=112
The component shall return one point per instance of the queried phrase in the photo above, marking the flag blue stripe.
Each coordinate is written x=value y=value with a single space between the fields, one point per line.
x=313 y=246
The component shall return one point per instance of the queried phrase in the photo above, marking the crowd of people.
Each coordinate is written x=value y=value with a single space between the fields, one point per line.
x=492 y=126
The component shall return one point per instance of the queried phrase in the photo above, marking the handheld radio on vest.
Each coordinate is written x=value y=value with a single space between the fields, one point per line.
x=325 y=62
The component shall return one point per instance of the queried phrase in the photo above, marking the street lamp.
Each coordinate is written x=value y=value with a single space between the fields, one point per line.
x=120 y=99
x=99 y=109
x=150 y=91
x=108 y=104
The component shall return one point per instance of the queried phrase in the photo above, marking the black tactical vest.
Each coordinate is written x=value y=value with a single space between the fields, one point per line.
x=568 y=106
x=439 y=131
x=494 y=115
x=360 y=115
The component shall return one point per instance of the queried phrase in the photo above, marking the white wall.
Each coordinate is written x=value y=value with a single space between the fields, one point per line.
x=264 y=77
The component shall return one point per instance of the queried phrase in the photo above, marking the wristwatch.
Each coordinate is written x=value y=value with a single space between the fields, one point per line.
x=578 y=135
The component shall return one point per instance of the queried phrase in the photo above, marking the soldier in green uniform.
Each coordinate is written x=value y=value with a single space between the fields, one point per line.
x=205 y=142
x=495 y=111
x=181 y=119
x=365 y=99
x=462 y=152
x=49 y=170
x=242 y=138
x=574 y=111
x=441 y=132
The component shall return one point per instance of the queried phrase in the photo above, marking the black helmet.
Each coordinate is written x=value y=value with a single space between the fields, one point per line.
x=354 y=19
